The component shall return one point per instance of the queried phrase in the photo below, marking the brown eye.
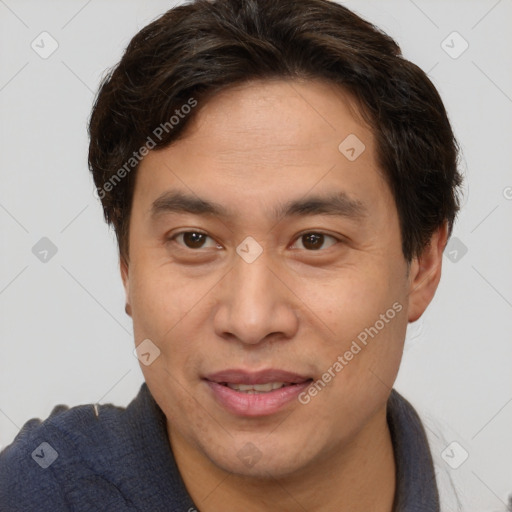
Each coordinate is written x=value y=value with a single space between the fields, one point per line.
x=314 y=241
x=193 y=239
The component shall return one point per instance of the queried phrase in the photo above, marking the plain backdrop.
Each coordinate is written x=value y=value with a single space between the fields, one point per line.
x=64 y=336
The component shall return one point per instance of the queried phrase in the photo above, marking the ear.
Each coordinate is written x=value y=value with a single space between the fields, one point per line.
x=123 y=266
x=425 y=273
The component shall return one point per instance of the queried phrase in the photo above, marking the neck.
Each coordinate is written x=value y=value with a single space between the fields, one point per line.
x=356 y=477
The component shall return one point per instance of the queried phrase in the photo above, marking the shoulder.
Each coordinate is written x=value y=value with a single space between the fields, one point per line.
x=48 y=458
x=91 y=458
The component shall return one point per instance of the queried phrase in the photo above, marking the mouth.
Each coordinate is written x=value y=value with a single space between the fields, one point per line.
x=250 y=394
x=257 y=388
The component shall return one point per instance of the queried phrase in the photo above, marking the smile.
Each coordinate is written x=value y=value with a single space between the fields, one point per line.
x=251 y=394
x=257 y=388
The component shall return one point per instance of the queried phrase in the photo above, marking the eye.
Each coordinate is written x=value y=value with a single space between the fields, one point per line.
x=313 y=241
x=193 y=240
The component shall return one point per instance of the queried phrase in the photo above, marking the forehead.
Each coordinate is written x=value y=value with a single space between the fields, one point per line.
x=267 y=140
x=284 y=116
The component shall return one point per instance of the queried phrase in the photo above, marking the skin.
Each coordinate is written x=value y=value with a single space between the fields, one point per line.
x=251 y=148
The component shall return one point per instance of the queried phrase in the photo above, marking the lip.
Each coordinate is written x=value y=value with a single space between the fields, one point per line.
x=260 y=404
x=237 y=376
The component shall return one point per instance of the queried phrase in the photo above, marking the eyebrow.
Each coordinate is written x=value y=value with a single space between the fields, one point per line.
x=338 y=204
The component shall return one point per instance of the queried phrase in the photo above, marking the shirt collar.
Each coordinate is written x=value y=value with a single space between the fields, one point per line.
x=416 y=487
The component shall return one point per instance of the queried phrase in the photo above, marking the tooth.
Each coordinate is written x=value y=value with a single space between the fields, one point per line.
x=256 y=388
x=263 y=387
x=250 y=387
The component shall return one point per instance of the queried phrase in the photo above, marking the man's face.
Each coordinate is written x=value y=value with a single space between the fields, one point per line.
x=282 y=306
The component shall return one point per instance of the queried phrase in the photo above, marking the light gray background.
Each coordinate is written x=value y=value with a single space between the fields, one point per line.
x=64 y=336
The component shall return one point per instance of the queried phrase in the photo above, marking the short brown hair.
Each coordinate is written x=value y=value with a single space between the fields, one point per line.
x=196 y=49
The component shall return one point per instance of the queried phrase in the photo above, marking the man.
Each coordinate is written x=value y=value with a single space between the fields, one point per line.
x=282 y=184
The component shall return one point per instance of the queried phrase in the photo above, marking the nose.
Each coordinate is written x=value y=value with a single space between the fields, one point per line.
x=255 y=304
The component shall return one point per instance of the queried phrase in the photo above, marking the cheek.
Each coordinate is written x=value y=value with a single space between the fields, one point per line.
x=160 y=298
x=154 y=310
x=172 y=309
x=353 y=299
x=367 y=319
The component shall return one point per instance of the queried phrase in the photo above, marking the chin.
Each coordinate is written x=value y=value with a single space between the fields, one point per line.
x=258 y=456
x=263 y=469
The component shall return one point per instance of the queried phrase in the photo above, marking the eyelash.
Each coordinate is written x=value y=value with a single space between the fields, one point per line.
x=299 y=236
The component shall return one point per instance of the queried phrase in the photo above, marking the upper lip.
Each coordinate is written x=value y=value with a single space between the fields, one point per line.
x=239 y=376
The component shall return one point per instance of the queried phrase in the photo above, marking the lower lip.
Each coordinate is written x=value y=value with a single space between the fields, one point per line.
x=256 y=404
